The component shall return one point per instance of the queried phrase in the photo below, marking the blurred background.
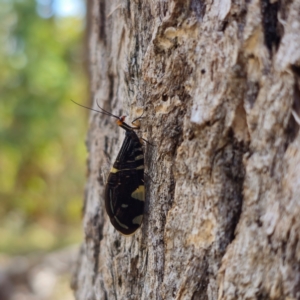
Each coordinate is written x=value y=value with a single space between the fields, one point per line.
x=43 y=65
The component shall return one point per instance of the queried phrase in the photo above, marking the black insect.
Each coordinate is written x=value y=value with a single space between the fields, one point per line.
x=125 y=189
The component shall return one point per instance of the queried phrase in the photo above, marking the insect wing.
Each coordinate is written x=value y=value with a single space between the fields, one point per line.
x=125 y=191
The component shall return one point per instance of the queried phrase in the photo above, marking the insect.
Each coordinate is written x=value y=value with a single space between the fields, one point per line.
x=125 y=189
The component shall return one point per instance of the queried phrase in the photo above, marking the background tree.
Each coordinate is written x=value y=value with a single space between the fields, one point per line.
x=41 y=131
x=219 y=85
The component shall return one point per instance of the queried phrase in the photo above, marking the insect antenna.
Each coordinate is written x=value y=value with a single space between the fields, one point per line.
x=104 y=112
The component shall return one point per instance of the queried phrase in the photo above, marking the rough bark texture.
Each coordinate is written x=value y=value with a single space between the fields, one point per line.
x=219 y=85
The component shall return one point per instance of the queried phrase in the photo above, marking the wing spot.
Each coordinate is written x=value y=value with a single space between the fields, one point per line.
x=139 y=193
x=124 y=205
x=114 y=170
x=138 y=220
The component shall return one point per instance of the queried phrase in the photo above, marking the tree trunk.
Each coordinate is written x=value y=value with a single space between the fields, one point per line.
x=219 y=86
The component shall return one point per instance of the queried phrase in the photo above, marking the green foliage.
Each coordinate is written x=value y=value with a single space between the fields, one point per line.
x=41 y=131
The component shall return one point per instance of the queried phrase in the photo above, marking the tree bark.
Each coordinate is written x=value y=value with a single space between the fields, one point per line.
x=218 y=82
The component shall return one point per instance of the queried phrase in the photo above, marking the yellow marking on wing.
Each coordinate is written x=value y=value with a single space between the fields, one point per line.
x=114 y=170
x=139 y=193
x=124 y=205
x=138 y=220
x=139 y=157
x=140 y=167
